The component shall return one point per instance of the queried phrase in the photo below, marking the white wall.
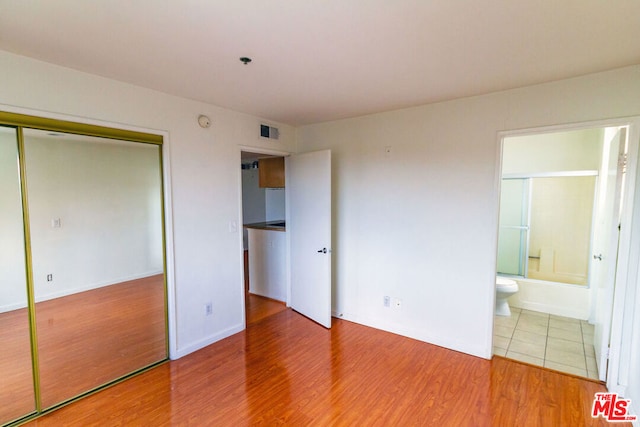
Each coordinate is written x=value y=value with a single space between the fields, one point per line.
x=259 y=204
x=253 y=197
x=107 y=197
x=204 y=187
x=419 y=223
x=275 y=204
x=575 y=150
x=253 y=202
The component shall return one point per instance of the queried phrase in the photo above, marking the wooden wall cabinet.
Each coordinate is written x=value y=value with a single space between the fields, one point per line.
x=271 y=172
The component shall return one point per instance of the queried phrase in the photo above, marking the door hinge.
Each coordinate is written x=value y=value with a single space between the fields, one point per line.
x=622 y=162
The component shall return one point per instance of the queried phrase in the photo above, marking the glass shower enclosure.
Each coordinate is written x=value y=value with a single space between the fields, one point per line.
x=546 y=227
x=513 y=236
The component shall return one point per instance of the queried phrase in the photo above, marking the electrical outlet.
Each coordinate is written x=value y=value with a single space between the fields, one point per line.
x=386 y=301
x=208 y=308
x=49 y=277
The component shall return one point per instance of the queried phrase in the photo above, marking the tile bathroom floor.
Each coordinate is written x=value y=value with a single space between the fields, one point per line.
x=555 y=342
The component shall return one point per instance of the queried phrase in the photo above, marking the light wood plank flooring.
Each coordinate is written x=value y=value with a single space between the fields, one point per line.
x=257 y=307
x=16 y=379
x=84 y=341
x=286 y=370
x=90 y=338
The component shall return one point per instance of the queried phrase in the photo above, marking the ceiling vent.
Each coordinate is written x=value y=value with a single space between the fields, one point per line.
x=269 y=132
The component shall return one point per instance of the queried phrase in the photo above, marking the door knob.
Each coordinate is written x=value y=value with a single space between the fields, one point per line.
x=322 y=251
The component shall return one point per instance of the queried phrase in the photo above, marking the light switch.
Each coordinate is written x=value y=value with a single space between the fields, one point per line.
x=56 y=223
x=233 y=226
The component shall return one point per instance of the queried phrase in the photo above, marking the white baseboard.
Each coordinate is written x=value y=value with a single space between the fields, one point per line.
x=263 y=294
x=420 y=335
x=11 y=307
x=200 y=344
x=66 y=292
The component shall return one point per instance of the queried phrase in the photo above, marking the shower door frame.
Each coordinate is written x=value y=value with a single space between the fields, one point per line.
x=529 y=183
x=523 y=263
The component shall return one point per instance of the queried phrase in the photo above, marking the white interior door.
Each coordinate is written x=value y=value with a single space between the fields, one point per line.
x=308 y=195
x=606 y=238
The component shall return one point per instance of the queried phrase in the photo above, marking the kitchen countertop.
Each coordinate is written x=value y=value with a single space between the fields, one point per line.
x=268 y=225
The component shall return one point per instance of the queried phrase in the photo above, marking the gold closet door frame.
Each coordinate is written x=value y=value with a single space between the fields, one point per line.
x=20 y=121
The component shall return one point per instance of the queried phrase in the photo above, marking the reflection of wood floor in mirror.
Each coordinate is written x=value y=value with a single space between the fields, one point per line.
x=16 y=381
x=93 y=337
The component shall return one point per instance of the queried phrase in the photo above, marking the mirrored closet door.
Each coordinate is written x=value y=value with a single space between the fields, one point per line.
x=17 y=396
x=93 y=265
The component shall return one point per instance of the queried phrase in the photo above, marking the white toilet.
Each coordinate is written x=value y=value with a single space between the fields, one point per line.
x=504 y=289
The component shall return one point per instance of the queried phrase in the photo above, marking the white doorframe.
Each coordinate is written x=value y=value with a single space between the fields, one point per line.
x=627 y=273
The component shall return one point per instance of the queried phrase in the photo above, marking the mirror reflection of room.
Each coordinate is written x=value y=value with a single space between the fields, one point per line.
x=95 y=240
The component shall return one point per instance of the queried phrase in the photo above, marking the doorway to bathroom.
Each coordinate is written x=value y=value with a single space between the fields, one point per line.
x=561 y=199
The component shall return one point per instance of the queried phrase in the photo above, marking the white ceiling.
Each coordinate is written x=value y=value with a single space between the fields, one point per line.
x=319 y=60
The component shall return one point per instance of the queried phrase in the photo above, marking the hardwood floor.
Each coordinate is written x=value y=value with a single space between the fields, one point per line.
x=90 y=338
x=286 y=370
x=84 y=340
x=16 y=378
x=257 y=307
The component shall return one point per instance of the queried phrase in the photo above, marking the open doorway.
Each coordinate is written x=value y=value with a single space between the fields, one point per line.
x=560 y=207
x=307 y=230
x=264 y=234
